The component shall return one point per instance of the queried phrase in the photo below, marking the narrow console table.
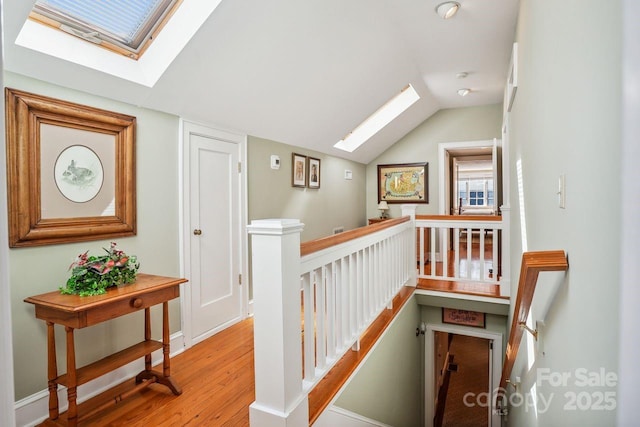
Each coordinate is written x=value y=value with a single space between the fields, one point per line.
x=75 y=312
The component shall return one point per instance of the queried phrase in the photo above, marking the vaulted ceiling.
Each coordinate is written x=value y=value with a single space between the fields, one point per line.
x=306 y=73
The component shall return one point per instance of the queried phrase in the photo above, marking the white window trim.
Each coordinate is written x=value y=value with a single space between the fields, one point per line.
x=146 y=71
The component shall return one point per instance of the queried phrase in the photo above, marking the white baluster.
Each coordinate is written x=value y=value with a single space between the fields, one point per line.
x=482 y=268
x=331 y=310
x=320 y=311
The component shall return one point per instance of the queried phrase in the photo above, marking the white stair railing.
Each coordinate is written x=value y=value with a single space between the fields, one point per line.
x=345 y=287
x=462 y=248
x=340 y=283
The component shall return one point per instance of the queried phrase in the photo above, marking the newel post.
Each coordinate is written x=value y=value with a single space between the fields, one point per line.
x=410 y=211
x=280 y=399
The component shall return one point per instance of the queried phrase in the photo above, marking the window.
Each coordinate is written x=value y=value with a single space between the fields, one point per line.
x=124 y=26
x=475 y=192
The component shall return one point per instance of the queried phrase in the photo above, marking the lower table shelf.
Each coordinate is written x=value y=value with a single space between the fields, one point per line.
x=111 y=362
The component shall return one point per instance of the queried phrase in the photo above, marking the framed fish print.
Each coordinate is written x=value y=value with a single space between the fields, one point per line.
x=70 y=171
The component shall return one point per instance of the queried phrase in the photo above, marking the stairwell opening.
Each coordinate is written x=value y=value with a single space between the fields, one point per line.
x=462 y=368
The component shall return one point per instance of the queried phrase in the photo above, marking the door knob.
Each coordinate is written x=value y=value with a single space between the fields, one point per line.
x=197 y=232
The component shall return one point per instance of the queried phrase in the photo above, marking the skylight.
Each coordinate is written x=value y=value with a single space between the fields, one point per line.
x=126 y=26
x=378 y=120
x=146 y=69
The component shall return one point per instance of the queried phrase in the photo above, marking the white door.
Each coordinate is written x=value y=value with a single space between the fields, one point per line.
x=213 y=244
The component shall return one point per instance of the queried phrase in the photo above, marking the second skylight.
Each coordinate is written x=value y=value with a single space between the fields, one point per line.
x=378 y=120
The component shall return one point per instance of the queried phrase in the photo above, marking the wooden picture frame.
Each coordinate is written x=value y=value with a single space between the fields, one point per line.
x=298 y=170
x=70 y=171
x=463 y=317
x=403 y=183
x=313 y=169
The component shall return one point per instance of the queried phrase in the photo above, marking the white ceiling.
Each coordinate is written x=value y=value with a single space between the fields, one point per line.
x=306 y=73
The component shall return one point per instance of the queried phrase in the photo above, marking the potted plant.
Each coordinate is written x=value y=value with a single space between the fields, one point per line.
x=92 y=275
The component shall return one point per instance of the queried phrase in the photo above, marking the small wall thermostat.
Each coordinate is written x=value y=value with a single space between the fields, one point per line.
x=275 y=162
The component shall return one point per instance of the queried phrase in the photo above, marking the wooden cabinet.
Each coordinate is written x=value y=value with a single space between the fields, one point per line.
x=74 y=312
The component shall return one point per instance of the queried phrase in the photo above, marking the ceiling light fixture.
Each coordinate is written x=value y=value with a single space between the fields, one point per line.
x=464 y=92
x=462 y=75
x=447 y=9
x=378 y=120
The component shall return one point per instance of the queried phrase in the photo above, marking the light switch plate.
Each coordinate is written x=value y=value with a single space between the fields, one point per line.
x=275 y=162
x=348 y=174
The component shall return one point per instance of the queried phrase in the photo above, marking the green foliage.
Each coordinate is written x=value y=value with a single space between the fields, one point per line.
x=92 y=275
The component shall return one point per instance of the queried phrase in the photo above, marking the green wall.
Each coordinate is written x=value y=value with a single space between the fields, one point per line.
x=44 y=269
x=387 y=386
x=566 y=120
x=338 y=202
x=421 y=145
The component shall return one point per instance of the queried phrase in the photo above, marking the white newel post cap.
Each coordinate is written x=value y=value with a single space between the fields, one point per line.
x=409 y=210
x=275 y=227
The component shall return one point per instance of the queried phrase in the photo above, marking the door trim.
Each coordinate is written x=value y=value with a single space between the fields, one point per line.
x=187 y=128
x=444 y=181
x=495 y=370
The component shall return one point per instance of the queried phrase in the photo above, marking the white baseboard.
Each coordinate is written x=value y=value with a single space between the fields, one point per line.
x=34 y=409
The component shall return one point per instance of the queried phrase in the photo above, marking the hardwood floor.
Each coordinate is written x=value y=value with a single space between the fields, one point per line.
x=467 y=288
x=217 y=381
x=472 y=265
x=471 y=356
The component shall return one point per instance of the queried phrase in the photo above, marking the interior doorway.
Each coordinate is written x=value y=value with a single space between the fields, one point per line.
x=462 y=368
x=462 y=377
x=470 y=177
x=213 y=230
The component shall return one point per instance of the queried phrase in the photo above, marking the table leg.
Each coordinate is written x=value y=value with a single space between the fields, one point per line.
x=52 y=371
x=72 y=391
x=147 y=336
x=165 y=340
x=163 y=378
x=166 y=379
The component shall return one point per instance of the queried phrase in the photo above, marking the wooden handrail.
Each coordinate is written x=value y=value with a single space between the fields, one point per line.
x=312 y=246
x=459 y=217
x=532 y=264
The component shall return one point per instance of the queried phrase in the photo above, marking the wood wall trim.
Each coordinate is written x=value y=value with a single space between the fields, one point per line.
x=312 y=246
x=532 y=264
